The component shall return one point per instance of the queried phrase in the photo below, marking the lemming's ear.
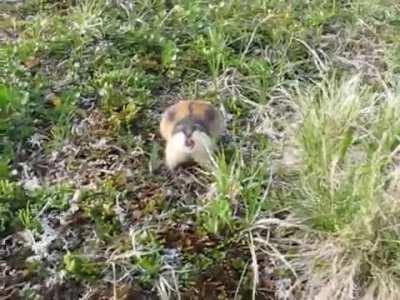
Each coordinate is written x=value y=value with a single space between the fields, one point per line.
x=171 y=114
x=209 y=115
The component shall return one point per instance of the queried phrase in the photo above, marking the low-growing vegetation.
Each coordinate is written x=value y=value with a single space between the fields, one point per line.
x=303 y=199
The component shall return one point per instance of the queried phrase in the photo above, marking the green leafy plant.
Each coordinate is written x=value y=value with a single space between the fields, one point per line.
x=80 y=267
x=217 y=215
x=13 y=114
x=28 y=219
x=98 y=206
x=12 y=198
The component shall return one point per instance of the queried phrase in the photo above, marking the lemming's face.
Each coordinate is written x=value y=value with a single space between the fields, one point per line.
x=191 y=132
x=197 y=141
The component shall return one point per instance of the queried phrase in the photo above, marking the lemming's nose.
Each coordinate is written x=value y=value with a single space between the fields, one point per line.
x=189 y=143
x=188 y=131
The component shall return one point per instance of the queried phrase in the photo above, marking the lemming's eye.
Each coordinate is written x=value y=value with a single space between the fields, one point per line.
x=197 y=127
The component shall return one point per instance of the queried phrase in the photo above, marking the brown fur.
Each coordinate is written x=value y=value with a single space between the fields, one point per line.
x=196 y=108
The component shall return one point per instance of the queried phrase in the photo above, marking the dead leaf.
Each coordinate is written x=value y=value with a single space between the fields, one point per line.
x=53 y=100
x=31 y=62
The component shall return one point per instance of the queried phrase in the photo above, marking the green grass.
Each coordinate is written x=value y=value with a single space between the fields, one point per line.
x=303 y=196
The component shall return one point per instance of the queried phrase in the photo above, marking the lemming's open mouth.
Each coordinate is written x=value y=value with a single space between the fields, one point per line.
x=189 y=143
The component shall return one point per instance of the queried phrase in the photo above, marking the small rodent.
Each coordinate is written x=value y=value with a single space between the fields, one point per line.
x=190 y=129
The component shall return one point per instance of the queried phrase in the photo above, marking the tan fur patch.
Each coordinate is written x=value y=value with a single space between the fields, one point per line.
x=197 y=108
